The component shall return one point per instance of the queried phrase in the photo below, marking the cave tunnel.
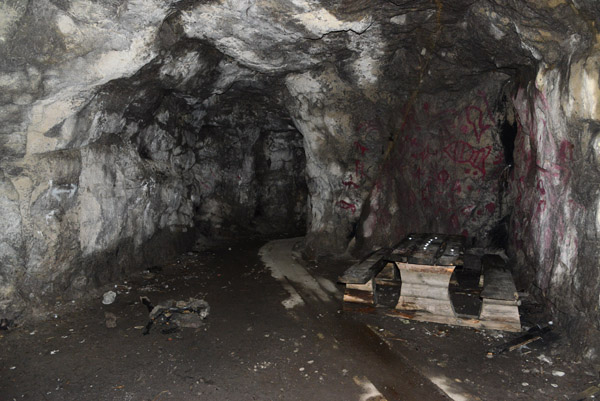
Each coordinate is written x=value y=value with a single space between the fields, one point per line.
x=140 y=134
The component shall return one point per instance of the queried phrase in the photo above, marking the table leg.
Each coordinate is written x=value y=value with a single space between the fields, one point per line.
x=425 y=288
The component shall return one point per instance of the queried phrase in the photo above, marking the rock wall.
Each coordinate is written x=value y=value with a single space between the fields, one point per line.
x=121 y=141
x=443 y=172
x=555 y=190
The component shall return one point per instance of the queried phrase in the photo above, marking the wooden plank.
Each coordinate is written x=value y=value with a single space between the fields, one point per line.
x=426 y=253
x=365 y=270
x=455 y=246
x=406 y=247
x=497 y=280
x=433 y=249
x=458 y=320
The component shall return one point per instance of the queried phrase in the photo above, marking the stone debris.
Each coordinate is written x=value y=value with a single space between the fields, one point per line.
x=5 y=324
x=172 y=315
x=110 y=320
x=109 y=297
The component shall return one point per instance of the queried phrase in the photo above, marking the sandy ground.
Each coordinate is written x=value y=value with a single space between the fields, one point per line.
x=275 y=331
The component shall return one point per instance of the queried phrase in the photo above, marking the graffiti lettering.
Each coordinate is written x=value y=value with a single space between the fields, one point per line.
x=361 y=148
x=479 y=127
x=346 y=205
x=350 y=183
x=462 y=152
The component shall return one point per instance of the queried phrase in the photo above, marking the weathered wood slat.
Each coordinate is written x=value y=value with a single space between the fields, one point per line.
x=363 y=271
x=499 y=295
x=429 y=249
x=498 y=283
x=406 y=247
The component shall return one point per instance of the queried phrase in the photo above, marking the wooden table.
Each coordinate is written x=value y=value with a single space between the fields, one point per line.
x=426 y=263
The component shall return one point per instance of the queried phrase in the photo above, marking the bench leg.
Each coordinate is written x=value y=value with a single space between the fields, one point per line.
x=361 y=293
x=502 y=312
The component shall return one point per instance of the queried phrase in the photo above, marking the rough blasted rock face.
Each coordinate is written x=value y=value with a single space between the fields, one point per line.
x=125 y=125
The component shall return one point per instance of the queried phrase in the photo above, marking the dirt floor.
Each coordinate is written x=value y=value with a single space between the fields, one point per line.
x=275 y=331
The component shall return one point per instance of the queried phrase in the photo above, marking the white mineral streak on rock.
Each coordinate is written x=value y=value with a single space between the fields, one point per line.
x=584 y=93
x=128 y=47
x=305 y=88
x=496 y=32
x=9 y=16
x=398 y=19
x=319 y=21
x=247 y=32
x=370 y=48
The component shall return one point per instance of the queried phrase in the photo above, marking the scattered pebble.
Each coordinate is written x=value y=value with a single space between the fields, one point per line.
x=109 y=297
x=524 y=384
x=311 y=362
x=54 y=351
x=301 y=369
x=558 y=373
x=544 y=358
x=13 y=367
x=554 y=385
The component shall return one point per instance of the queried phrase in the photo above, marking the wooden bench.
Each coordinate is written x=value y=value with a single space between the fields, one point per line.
x=500 y=300
x=360 y=278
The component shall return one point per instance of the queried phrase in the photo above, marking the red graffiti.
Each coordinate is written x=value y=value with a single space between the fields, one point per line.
x=424 y=155
x=359 y=168
x=443 y=176
x=350 y=183
x=457 y=188
x=369 y=127
x=499 y=159
x=481 y=127
x=491 y=207
x=462 y=152
x=454 y=221
x=540 y=187
x=541 y=207
x=410 y=121
x=426 y=107
x=346 y=206
x=483 y=97
x=361 y=148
